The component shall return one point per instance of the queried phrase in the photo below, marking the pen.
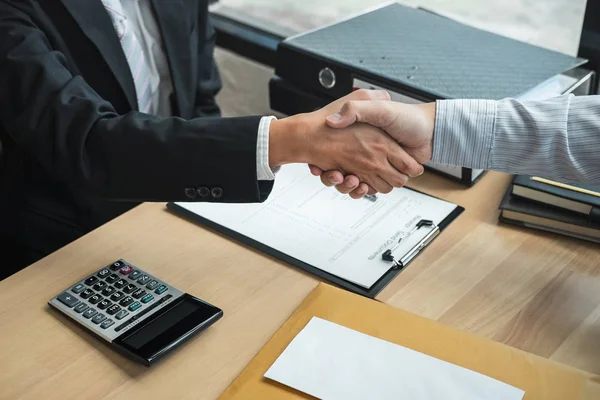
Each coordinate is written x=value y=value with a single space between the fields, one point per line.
x=371 y=197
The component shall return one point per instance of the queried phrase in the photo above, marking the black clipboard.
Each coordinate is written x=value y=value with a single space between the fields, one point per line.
x=371 y=292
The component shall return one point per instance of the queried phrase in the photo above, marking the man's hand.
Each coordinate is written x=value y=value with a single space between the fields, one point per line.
x=410 y=125
x=362 y=150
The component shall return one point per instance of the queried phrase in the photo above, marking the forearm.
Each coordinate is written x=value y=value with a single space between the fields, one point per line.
x=557 y=138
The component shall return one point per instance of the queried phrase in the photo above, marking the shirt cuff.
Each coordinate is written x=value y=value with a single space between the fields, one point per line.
x=263 y=170
x=464 y=132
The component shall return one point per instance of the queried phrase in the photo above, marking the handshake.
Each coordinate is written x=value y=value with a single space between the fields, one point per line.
x=363 y=143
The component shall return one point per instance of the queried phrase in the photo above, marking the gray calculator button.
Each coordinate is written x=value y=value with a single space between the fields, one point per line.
x=68 y=299
x=134 y=275
x=161 y=289
x=81 y=307
x=121 y=314
x=78 y=288
x=143 y=279
x=98 y=318
x=152 y=284
x=107 y=323
x=89 y=313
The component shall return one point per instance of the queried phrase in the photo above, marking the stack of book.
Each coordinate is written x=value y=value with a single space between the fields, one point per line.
x=572 y=210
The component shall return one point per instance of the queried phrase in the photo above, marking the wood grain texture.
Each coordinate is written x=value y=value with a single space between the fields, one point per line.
x=537 y=292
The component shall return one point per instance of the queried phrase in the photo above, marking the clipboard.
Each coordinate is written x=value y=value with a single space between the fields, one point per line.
x=397 y=261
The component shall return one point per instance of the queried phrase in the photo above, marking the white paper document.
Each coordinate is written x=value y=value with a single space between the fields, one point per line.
x=333 y=232
x=331 y=362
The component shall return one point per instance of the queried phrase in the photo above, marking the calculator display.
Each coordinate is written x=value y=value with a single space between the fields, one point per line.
x=159 y=334
x=160 y=325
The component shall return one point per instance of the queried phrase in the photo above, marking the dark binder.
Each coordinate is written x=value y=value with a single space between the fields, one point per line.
x=418 y=53
x=402 y=260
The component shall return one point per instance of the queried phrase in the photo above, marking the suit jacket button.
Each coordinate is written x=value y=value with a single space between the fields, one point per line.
x=216 y=192
x=191 y=193
x=203 y=191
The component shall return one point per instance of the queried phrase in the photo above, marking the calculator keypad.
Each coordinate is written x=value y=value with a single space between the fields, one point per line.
x=98 y=318
x=120 y=283
x=99 y=286
x=103 y=273
x=134 y=275
x=68 y=299
x=126 y=270
x=108 y=290
x=104 y=304
x=107 y=323
x=89 y=313
x=129 y=288
x=112 y=310
x=81 y=307
x=95 y=299
x=112 y=296
x=135 y=306
x=126 y=301
x=78 y=288
x=91 y=280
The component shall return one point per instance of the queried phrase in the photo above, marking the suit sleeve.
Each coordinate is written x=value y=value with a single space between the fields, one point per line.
x=209 y=80
x=63 y=124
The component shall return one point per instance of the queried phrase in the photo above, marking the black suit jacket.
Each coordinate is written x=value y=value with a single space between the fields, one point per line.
x=76 y=150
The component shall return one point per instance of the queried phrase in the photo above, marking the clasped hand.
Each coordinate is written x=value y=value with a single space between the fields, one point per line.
x=363 y=143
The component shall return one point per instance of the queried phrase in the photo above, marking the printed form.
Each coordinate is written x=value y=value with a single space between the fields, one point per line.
x=321 y=227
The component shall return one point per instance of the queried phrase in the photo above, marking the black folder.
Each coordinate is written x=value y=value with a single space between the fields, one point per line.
x=416 y=52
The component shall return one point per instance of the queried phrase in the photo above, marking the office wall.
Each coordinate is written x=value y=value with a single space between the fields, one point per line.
x=245 y=85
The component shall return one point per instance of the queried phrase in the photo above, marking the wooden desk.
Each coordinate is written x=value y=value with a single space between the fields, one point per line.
x=538 y=292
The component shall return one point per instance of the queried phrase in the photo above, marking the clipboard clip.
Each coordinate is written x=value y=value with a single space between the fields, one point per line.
x=424 y=223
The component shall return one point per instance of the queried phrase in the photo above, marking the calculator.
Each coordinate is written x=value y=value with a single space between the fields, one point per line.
x=139 y=315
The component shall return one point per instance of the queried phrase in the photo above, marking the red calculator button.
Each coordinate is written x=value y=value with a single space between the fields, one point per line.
x=127 y=269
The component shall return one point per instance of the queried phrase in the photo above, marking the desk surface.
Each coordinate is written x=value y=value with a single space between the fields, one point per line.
x=534 y=291
x=537 y=292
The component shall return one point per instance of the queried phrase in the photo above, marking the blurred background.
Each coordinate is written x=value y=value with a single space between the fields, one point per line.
x=554 y=24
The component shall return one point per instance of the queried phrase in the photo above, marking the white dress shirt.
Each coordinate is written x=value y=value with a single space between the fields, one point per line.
x=558 y=138
x=140 y=15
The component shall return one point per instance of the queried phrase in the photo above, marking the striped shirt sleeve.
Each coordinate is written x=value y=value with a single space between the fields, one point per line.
x=558 y=138
x=263 y=170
